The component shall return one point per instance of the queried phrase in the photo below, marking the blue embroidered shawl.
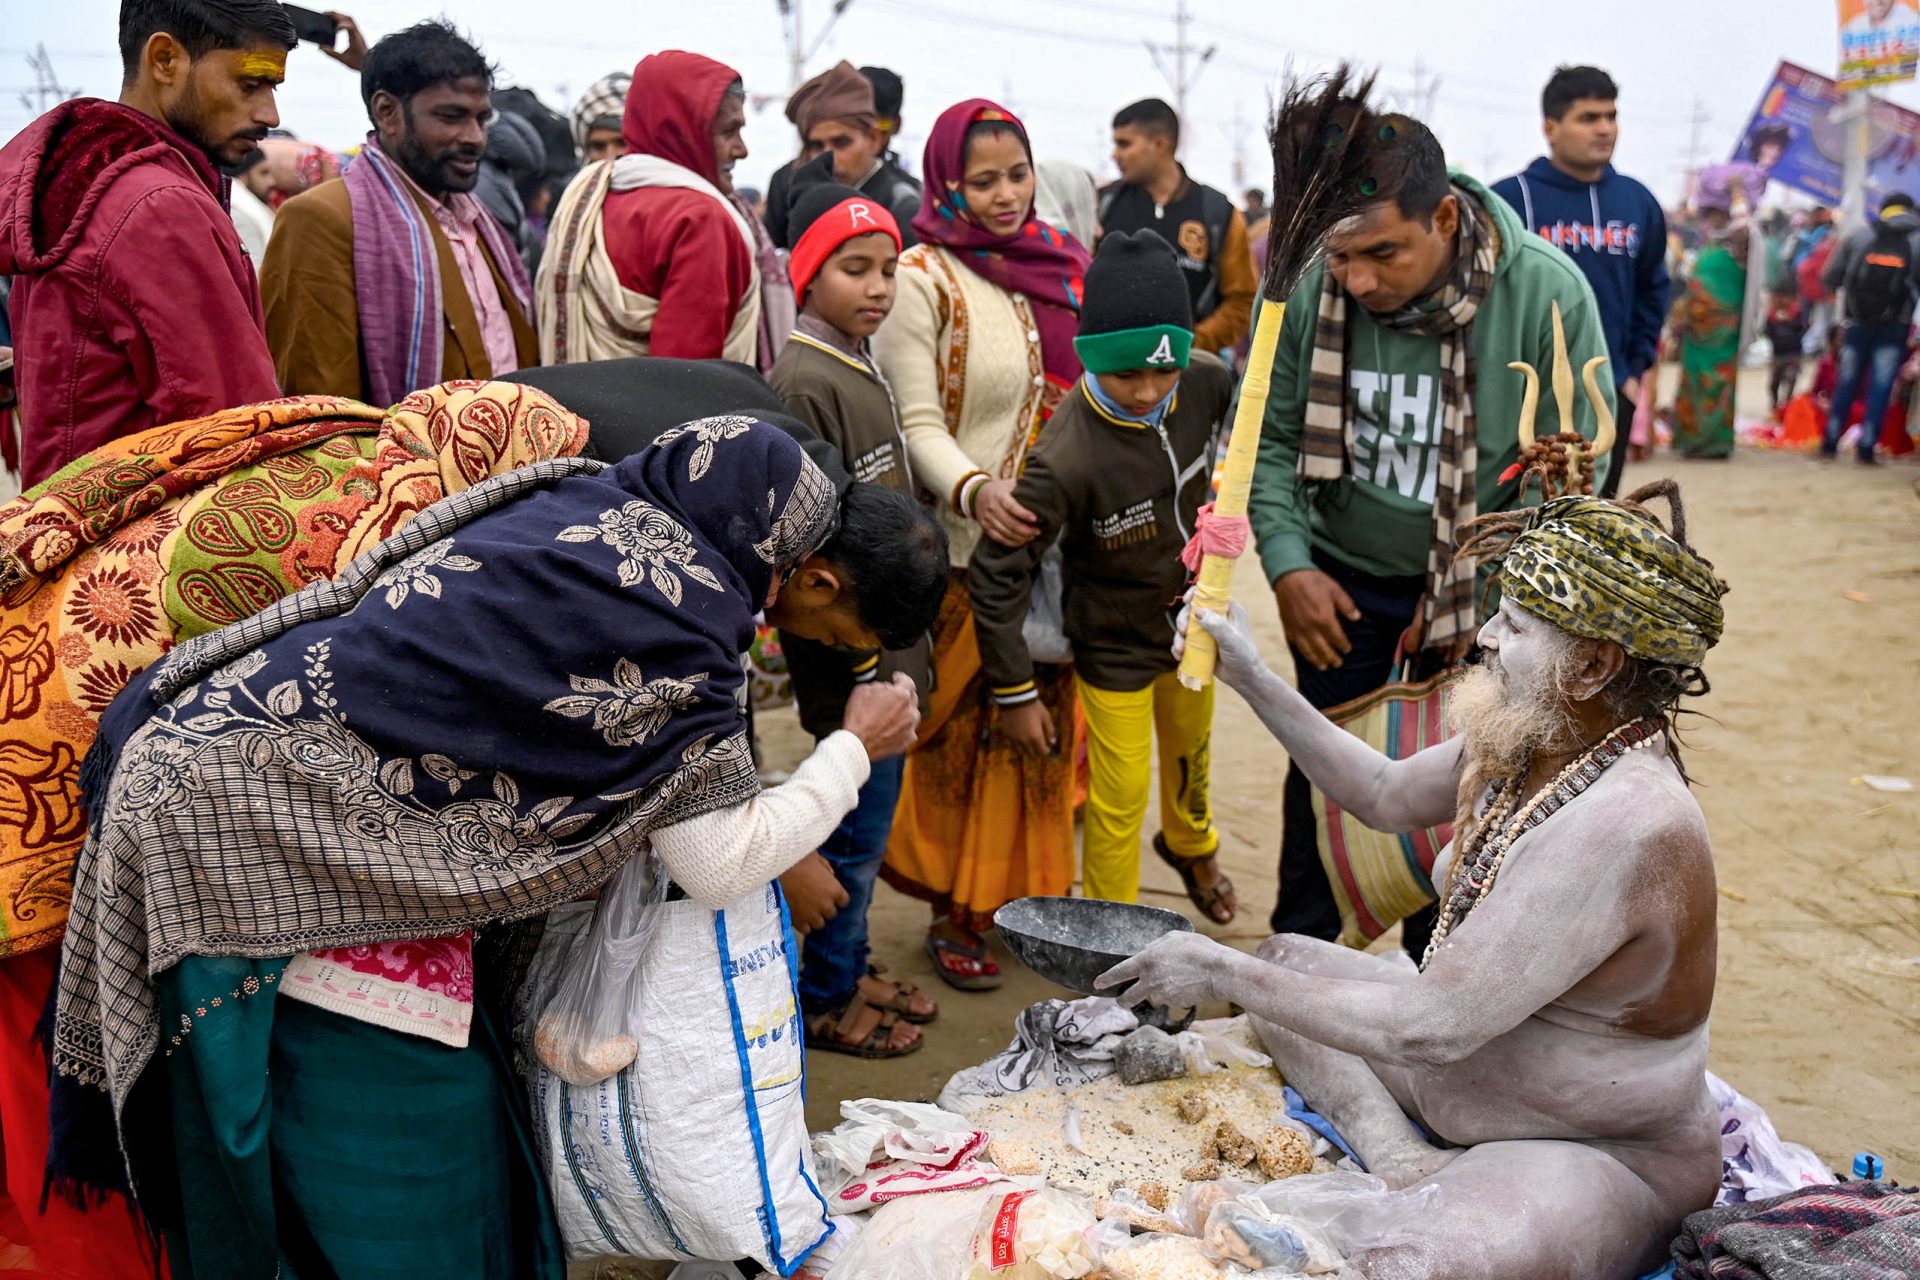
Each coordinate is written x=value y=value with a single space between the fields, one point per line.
x=482 y=718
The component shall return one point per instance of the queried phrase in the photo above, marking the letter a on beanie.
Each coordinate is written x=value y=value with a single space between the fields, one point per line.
x=1137 y=313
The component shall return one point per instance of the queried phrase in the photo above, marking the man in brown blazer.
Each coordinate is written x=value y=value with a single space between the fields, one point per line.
x=395 y=277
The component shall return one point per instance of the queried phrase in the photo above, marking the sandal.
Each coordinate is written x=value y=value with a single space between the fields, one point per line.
x=841 y=1032
x=962 y=967
x=901 y=1001
x=1205 y=897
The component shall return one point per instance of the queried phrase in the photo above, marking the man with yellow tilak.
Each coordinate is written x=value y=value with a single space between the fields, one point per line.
x=133 y=300
x=1545 y=1066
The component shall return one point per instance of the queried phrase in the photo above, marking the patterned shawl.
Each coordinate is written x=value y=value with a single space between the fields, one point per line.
x=161 y=536
x=396 y=273
x=1046 y=264
x=1326 y=451
x=478 y=720
x=1599 y=569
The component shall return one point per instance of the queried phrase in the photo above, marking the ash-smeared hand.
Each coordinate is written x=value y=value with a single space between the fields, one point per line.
x=1179 y=970
x=1239 y=654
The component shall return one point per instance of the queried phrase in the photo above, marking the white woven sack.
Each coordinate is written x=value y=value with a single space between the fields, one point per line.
x=699 y=1150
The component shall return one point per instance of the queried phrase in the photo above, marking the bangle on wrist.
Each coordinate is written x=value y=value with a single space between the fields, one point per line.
x=967 y=491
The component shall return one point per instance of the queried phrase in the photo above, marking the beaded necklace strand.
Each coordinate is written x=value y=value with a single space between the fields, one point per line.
x=1477 y=865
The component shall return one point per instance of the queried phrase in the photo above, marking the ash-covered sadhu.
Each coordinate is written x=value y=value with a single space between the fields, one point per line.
x=1551 y=1049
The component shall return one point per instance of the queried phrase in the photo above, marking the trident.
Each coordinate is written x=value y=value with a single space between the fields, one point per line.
x=1577 y=447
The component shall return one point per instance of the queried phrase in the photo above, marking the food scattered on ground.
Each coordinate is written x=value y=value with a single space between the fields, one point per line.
x=1129 y=1133
x=1285 y=1151
x=1193 y=1106
x=1235 y=1149
x=1202 y=1171
x=1013 y=1157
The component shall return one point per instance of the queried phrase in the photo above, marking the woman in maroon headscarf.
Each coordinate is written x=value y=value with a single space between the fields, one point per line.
x=978 y=350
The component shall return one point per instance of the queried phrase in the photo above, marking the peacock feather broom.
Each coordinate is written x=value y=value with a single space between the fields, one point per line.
x=1325 y=141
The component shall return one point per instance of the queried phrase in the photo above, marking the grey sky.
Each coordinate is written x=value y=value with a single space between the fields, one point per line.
x=1066 y=65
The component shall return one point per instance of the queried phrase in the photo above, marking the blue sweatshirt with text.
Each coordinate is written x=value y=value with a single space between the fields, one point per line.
x=1616 y=233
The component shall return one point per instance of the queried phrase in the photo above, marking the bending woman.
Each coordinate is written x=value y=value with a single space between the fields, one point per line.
x=482 y=718
x=978 y=350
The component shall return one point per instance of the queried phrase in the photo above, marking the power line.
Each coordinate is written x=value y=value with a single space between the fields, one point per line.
x=799 y=52
x=1180 y=77
x=47 y=89
x=926 y=13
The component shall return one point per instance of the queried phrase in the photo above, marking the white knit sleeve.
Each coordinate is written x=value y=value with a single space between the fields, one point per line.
x=720 y=857
x=907 y=348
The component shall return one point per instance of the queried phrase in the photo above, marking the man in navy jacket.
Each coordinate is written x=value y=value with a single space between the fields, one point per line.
x=1610 y=225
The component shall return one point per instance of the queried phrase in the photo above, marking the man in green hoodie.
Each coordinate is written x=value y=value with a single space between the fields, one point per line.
x=1392 y=421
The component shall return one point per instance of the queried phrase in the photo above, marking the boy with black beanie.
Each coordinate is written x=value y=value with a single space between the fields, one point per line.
x=1118 y=478
x=845 y=247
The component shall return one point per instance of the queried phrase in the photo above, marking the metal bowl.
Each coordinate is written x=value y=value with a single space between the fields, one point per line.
x=1072 y=941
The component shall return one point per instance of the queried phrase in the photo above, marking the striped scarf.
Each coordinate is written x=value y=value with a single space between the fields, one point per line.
x=1327 y=448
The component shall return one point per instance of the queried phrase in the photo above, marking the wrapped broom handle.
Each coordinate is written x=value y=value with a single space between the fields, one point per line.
x=1212 y=589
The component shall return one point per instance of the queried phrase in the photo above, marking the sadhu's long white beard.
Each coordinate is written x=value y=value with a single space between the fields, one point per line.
x=1503 y=721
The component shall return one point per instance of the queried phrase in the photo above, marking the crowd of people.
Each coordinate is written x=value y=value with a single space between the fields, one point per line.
x=394 y=524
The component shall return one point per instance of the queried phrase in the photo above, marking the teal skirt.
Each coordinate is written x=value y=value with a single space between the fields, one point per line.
x=308 y=1145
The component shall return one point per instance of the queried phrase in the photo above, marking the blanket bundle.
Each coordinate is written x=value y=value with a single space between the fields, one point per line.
x=1852 y=1231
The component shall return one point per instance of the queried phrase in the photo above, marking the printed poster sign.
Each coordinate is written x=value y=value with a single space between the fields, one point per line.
x=1799 y=134
x=1879 y=42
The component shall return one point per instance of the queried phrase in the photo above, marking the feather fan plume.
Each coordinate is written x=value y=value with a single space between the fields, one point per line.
x=1325 y=141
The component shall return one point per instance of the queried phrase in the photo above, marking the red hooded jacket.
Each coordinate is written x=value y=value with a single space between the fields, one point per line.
x=133 y=302
x=677 y=246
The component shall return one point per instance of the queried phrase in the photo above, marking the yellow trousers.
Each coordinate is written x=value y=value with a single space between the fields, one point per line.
x=1121 y=729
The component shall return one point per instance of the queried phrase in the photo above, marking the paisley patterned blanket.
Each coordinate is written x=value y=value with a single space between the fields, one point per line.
x=162 y=536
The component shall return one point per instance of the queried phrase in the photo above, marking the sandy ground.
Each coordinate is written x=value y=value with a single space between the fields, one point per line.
x=1818 y=1009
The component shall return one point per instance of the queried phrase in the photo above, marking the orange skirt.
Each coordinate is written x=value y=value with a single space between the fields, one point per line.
x=980 y=821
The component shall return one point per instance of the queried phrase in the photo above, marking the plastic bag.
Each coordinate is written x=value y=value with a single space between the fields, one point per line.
x=1204 y=1048
x=1197 y=1203
x=1356 y=1211
x=1755 y=1162
x=1032 y=1235
x=827 y=1254
x=883 y=1150
x=878 y=1129
x=586 y=1030
x=1045 y=630
x=917 y=1238
x=1246 y=1233
x=1157 y=1256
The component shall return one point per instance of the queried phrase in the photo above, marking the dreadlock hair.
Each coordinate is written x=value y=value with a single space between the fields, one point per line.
x=1642 y=689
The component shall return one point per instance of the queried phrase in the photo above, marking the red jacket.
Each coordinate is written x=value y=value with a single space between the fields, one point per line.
x=133 y=303
x=679 y=247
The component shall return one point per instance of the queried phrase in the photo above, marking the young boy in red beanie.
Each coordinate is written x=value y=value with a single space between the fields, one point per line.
x=845 y=247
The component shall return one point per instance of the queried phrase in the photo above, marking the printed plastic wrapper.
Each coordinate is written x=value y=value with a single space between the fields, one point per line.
x=586 y=1032
x=1032 y=1235
x=883 y=1150
x=1354 y=1211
